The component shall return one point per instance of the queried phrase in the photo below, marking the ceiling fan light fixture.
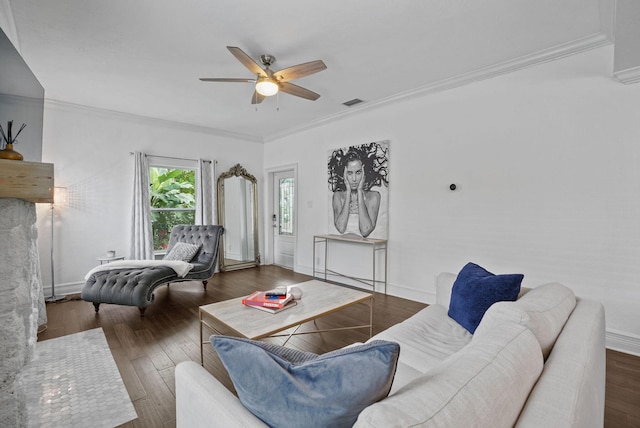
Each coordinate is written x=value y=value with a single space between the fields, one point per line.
x=268 y=82
x=266 y=87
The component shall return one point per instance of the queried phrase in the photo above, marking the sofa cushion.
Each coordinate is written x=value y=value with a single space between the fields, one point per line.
x=426 y=339
x=287 y=387
x=476 y=289
x=182 y=251
x=544 y=310
x=483 y=385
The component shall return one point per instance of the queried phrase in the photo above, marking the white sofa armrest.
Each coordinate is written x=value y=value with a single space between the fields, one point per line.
x=570 y=392
x=202 y=401
x=444 y=284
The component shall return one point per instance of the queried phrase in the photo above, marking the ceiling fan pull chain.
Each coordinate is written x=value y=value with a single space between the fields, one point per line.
x=278 y=101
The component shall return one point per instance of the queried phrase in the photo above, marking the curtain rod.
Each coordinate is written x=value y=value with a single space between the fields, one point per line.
x=171 y=157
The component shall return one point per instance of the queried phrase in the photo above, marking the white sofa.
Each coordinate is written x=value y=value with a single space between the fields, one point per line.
x=536 y=362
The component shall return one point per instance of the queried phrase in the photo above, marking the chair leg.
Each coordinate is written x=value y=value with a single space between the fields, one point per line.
x=142 y=311
x=204 y=284
x=97 y=306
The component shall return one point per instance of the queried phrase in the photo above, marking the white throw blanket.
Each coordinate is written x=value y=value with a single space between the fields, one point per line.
x=181 y=268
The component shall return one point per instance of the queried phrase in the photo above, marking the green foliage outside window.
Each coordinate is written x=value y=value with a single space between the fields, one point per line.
x=173 y=201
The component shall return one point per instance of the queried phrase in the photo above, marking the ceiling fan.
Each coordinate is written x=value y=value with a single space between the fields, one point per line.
x=269 y=82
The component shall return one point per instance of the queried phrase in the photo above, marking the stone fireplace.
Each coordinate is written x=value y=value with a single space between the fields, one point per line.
x=22 y=306
x=21 y=301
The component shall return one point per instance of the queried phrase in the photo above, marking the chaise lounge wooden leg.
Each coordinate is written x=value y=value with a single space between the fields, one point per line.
x=142 y=311
x=97 y=306
x=204 y=284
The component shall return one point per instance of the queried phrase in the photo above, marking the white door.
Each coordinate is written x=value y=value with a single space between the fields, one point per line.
x=283 y=218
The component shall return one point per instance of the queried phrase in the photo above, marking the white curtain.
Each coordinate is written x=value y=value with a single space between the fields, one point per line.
x=204 y=192
x=141 y=233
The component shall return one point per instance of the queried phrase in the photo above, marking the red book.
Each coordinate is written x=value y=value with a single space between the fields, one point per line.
x=259 y=298
x=291 y=304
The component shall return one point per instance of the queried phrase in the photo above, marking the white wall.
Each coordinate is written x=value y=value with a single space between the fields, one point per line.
x=545 y=159
x=90 y=149
x=547 y=164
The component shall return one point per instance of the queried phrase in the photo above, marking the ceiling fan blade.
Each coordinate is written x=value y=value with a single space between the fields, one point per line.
x=246 y=60
x=256 y=98
x=300 y=70
x=225 y=79
x=298 y=91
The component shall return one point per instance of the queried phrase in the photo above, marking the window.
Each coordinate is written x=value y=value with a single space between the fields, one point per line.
x=173 y=201
x=286 y=206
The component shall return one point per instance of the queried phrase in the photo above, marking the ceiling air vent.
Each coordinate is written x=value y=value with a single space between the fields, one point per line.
x=352 y=102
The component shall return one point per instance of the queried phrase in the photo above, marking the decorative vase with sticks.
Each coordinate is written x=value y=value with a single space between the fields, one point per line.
x=7 y=151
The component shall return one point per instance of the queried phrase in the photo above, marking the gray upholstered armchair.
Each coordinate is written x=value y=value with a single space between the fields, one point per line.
x=135 y=286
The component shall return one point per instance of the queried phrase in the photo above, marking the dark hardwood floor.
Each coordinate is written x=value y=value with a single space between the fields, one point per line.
x=146 y=350
x=622 y=399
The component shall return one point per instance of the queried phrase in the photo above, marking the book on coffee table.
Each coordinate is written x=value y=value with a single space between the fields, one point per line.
x=261 y=299
x=291 y=304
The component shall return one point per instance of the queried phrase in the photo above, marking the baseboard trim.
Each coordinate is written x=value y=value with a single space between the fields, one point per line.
x=392 y=289
x=624 y=342
x=64 y=289
x=615 y=340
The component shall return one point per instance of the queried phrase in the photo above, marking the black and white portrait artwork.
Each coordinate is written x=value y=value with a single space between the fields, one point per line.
x=359 y=190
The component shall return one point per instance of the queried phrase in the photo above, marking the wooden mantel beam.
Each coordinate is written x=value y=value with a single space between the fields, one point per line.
x=31 y=181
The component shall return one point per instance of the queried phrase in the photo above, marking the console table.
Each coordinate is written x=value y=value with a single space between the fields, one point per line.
x=375 y=245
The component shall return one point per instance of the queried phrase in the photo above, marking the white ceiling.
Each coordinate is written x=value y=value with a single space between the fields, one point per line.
x=144 y=57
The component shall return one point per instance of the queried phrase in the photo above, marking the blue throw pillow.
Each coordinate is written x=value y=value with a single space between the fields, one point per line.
x=285 y=387
x=476 y=289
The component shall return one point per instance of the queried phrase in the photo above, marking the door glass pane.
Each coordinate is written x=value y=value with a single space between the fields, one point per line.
x=286 y=206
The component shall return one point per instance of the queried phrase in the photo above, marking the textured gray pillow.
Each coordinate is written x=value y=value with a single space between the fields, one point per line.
x=285 y=387
x=544 y=310
x=182 y=251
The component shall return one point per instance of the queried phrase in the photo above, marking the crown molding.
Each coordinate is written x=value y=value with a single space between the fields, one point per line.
x=19 y=99
x=66 y=106
x=547 y=55
x=540 y=57
x=628 y=76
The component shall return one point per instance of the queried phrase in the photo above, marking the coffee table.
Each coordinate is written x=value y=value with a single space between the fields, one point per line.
x=318 y=299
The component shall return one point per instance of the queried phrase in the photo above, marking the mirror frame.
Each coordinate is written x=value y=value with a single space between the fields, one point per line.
x=238 y=171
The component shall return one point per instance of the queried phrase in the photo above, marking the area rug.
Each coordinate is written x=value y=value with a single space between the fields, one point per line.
x=73 y=381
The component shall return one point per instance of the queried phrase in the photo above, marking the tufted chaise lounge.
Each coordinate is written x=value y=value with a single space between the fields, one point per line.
x=135 y=286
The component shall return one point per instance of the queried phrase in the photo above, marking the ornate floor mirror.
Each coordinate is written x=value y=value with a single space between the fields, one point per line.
x=238 y=213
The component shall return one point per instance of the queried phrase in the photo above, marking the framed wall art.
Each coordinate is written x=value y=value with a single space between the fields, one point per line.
x=358 y=181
